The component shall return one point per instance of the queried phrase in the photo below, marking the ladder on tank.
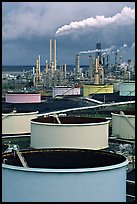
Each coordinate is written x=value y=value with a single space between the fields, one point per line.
x=15 y=149
x=22 y=159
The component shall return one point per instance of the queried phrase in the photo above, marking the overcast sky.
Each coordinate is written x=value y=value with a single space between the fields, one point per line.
x=27 y=28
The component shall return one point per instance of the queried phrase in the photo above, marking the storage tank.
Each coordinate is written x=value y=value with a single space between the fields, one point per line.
x=63 y=91
x=123 y=124
x=69 y=132
x=97 y=89
x=16 y=122
x=23 y=97
x=127 y=89
x=64 y=175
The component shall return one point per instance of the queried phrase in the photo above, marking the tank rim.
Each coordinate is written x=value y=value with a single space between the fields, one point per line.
x=73 y=170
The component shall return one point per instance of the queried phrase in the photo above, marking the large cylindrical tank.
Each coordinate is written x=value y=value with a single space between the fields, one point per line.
x=71 y=132
x=64 y=175
x=17 y=122
x=63 y=91
x=123 y=124
x=127 y=89
x=23 y=98
x=97 y=89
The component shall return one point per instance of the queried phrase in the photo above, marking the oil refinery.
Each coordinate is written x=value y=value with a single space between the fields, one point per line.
x=69 y=130
x=98 y=72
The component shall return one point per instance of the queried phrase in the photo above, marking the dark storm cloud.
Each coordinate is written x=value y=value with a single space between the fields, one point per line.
x=28 y=26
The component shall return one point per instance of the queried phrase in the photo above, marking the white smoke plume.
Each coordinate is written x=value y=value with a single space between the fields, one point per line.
x=125 y=45
x=133 y=45
x=126 y=17
x=106 y=50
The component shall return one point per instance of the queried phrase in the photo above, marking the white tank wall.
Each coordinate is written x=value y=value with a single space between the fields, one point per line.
x=127 y=89
x=123 y=126
x=17 y=123
x=60 y=91
x=102 y=184
x=88 y=136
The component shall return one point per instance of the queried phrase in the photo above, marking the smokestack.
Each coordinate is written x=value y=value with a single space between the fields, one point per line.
x=103 y=62
x=129 y=64
x=39 y=64
x=90 y=67
x=102 y=76
x=37 y=69
x=50 y=52
x=98 y=54
x=108 y=60
x=116 y=61
x=120 y=60
x=55 y=55
x=64 y=71
x=46 y=67
x=97 y=72
x=77 y=66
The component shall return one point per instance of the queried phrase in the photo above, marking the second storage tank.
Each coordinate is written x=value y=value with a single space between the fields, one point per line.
x=69 y=132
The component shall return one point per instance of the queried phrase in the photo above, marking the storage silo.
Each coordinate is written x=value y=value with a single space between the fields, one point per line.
x=16 y=122
x=123 y=124
x=64 y=175
x=69 y=132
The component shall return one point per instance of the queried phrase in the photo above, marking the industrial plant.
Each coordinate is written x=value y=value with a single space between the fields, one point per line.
x=98 y=72
x=68 y=130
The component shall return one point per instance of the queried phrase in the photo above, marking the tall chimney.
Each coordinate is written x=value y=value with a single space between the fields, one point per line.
x=97 y=72
x=64 y=71
x=50 y=52
x=77 y=66
x=120 y=60
x=116 y=60
x=98 y=54
x=46 y=67
x=39 y=64
x=54 y=55
x=102 y=76
x=37 y=69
